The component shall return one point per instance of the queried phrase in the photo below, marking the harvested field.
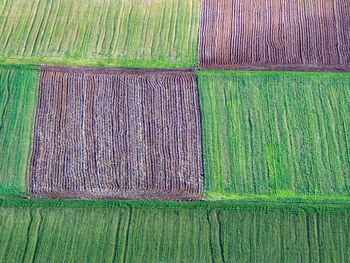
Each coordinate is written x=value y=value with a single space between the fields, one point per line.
x=273 y=34
x=171 y=235
x=123 y=33
x=18 y=93
x=284 y=133
x=128 y=134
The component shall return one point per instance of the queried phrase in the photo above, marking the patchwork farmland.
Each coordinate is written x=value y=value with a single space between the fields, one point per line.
x=137 y=134
x=274 y=34
x=141 y=101
x=117 y=133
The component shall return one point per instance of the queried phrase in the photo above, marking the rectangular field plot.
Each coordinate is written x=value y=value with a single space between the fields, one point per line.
x=18 y=93
x=172 y=235
x=117 y=134
x=276 y=133
x=124 y=33
x=275 y=34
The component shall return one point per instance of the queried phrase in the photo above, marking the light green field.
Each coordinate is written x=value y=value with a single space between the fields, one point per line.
x=18 y=93
x=278 y=133
x=123 y=33
x=182 y=234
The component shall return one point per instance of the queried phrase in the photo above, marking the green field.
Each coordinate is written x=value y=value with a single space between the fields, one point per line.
x=123 y=33
x=18 y=93
x=178 y=234
x=278 y=133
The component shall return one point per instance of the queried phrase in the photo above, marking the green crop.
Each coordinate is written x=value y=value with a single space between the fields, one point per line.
x=18 y=93
x=123 y=33
x=144 y=234
x=278 y=133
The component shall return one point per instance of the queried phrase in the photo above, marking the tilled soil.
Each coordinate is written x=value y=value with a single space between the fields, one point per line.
x=124 y=134
x=307 y=35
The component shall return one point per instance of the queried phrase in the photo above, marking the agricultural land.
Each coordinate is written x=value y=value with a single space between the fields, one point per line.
x=117 y=133
x=123 y=33
x=279 y=35
x=276 y=132
x=165 y=232
x=18 y=93
x=127 y=133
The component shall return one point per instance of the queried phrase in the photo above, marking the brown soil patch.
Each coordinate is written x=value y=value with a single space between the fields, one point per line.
x=311 y=35
x=124 y=134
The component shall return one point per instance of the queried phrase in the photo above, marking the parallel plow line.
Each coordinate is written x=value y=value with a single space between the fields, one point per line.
x=273 y=34
x=117 y=134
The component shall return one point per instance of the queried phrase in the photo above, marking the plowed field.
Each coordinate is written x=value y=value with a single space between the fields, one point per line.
x=117 y=134
x=275 y=34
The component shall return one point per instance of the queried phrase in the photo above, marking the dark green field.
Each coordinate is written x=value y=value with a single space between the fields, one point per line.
x=279 y=133
x=138 y=233
x=18 y=93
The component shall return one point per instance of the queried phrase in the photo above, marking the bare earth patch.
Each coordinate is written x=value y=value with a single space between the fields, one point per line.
x=117 y=133
x=305 y=35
